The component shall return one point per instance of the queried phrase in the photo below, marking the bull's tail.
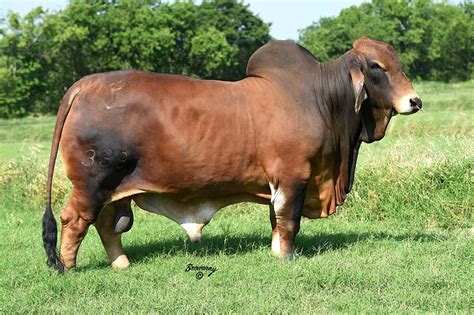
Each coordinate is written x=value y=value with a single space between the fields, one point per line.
x=50 y=230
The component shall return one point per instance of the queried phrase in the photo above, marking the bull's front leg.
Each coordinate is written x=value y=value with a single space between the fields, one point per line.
x=285 y=217
x=275 y=236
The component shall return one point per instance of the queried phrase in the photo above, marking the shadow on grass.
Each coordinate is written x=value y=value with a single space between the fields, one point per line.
x=307 y=246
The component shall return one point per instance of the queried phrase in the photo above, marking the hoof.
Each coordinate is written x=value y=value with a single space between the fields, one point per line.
x=121 y=262
x=69 y=264
x=290 y=256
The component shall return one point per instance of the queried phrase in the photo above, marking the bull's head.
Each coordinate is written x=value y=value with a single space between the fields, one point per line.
x=381 y=87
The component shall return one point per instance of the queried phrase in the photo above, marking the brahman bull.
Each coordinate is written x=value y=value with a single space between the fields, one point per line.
x=287 y=135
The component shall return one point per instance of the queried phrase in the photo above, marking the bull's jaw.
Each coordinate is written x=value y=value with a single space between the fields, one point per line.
x=374 y=122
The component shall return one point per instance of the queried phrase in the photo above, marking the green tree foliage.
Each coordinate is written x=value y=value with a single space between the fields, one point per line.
x=43 y=53
x=435 y=40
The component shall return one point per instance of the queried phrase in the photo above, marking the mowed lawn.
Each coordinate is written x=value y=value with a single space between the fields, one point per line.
x=403 y=242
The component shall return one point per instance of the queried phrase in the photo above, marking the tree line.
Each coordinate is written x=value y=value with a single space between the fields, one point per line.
x=434 y=39
x=42 y=53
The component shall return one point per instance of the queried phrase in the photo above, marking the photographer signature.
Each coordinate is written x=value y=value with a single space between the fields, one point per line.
x=200 y=269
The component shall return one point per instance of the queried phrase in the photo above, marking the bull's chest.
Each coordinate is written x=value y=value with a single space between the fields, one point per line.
x=320 y=200
x=325 y=189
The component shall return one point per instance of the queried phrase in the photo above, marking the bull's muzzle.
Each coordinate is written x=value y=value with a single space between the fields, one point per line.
x=416 y=104
x=409 y=104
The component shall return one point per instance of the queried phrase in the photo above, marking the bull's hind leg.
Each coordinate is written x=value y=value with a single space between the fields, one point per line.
x=110 y=229
x=75 y=220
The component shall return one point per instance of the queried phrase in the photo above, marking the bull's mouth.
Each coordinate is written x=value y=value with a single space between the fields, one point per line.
x=412 y=111
x=407 y=113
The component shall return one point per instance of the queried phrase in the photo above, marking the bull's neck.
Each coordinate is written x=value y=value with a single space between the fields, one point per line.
x=335 y=97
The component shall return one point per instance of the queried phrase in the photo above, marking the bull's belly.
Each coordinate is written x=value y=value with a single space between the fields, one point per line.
x=191 y=215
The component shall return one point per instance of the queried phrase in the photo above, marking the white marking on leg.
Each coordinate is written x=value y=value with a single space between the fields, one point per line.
x=276 y=242
x=121 y=262
x=278 y=198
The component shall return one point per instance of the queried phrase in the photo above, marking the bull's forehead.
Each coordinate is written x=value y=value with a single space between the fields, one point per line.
x=379 y=52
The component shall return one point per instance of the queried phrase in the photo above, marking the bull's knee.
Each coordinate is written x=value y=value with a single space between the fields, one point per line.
x=74 y=229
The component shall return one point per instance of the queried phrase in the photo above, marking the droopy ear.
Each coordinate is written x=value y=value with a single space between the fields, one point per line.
x=358 y=85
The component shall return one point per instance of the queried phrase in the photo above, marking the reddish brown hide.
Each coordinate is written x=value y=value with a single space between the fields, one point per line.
x=287 y=135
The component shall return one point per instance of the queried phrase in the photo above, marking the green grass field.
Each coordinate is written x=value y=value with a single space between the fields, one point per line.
x=403 y=242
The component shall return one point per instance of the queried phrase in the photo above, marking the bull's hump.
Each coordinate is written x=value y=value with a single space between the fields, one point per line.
x=280 y=55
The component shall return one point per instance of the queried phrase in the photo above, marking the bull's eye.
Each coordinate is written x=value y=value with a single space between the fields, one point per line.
x=375 y=66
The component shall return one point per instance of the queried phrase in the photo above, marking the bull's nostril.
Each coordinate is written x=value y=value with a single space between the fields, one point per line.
x=416 y=102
